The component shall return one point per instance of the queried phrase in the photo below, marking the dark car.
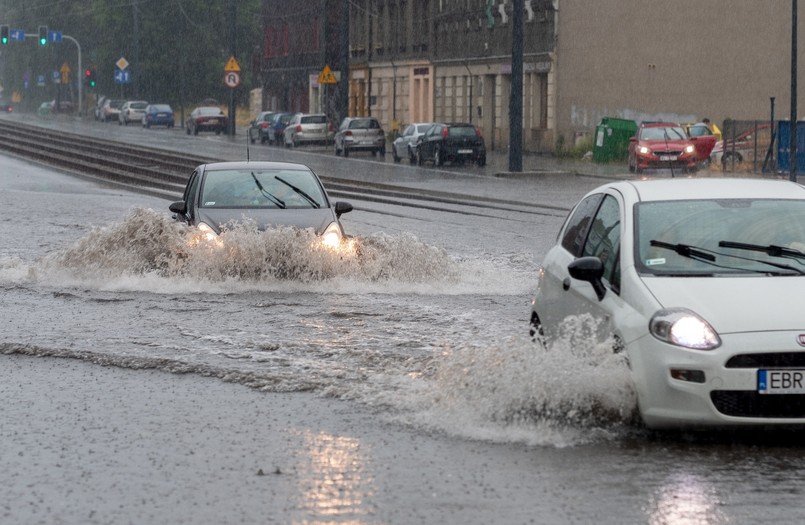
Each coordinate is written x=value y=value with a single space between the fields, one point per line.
x=454 y=142
x=206 y=118
x=360 y=134
x=269 y=193
x=258 y=128
x=662 y=145
x=158 y=115
x=276 y=127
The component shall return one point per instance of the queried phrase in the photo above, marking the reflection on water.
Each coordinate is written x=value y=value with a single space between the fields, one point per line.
x=334 y=482
x=686 y=499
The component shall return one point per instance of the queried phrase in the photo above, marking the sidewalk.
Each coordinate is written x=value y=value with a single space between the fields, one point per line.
x=546 y=164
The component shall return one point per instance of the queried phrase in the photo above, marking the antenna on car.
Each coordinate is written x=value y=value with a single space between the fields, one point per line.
x=670 y=163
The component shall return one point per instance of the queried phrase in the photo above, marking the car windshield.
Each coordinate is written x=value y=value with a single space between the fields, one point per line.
x=314 y=119
x=210 y=111
x=462 y=131
x=363 y=123
x=700 y=130
x=422 y=128
x=703 y=224
x=161 y=107
x=663 y=133
x=272 y=188
x=138 y=105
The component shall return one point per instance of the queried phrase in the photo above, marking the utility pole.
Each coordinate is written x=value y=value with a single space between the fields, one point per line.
x=792 y=155
x=232 y=47
x=516 y=98
x=343 y=83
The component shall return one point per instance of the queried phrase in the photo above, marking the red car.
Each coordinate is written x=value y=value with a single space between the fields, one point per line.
x=206 y=118
x=661 y=145
x=704 y=139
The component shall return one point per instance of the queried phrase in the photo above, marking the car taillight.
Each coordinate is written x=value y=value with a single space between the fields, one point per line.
x=348 y=133
x=299 y=128
x=478 y=132
x=264 y=125
x=445 y=132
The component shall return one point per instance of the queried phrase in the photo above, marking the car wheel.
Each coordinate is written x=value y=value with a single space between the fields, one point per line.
x=263 y=139
x=195 y=131
x=346 y=151
x=374 y=152
x=188 y=130
x=419 y=158
x=119 y=122
x=218 y=131
x=536 y=330
x=252 y=139
x=294 y=144
x=382 y=151
x=729 y=156
x=631 y=165
x=394 y=154
x=438 y=160
x=482 y=160
x=337 y=151
x=411 y=156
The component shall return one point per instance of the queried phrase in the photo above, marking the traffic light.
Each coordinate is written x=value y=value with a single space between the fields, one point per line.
x=89 y=76
x=3 y=34
x=43 y=35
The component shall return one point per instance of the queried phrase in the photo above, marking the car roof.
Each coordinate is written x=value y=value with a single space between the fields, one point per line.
x=659 y=125
x=709 y=188
x=260 y=165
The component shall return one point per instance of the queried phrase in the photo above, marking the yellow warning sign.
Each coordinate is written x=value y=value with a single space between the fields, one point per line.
x=232 y=65
x=326 y=76
x=65 y=73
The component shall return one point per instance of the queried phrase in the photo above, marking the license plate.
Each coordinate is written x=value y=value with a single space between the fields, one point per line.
x=781 y=381
x=464 y=151
x=212 y=121
x=366 y=142
x=667 y=157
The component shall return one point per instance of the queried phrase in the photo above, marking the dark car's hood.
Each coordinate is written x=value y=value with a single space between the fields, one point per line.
x=316 y=218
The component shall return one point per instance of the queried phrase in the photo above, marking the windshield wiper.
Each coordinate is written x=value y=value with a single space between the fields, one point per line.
x=685 y=250
x=300 y=192
x=266 y=194
x=772 y=250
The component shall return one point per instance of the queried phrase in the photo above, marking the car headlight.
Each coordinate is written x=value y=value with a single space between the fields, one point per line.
x=207 y=232
x=690 y=149
x=332 y=235
x=681 y=327
x=643 y=150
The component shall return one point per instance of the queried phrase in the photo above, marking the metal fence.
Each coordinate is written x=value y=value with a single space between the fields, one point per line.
x=746 y=146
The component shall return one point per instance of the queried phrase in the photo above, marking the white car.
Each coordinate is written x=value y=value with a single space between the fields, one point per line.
x=701 y=283
x=404 y=145
x=132 y=111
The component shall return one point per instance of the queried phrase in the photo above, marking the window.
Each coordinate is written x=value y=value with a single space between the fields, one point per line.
x=603 y=240
x=579 y=223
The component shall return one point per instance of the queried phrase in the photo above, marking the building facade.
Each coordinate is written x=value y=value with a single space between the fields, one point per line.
x=450 y=60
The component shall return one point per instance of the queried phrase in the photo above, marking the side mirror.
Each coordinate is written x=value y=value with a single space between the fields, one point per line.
x=591 y=270
x=342 y=208
x=178 y=207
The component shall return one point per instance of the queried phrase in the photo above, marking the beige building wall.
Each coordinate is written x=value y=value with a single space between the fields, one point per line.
x=680 y=60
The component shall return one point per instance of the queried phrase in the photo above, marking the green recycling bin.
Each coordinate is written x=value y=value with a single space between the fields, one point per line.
x=612 y=139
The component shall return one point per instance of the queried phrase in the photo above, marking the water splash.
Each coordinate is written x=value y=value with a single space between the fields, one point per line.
x=572 y=391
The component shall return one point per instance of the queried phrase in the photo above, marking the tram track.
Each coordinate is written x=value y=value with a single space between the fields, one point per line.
x=164 y=173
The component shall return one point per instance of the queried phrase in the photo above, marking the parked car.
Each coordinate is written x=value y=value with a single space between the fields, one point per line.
x=307 y=128
x=749 y=146
x=661 y=145
x=206 y=118
x=270 y=193
x=258 y=128
x=131 y=111
x=404 y=145
x=158 y=115
x=276 y=127
x=98 y=106
x=455 y=142
x=694 y=279
x=360 y=134
x=111 y=109
x=5 y=106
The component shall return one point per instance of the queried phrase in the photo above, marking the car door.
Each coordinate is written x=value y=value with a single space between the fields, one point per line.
x=602 y=240
x=428 y=143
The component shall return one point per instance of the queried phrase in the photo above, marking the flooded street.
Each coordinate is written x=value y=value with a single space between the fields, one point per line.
x=149 y=379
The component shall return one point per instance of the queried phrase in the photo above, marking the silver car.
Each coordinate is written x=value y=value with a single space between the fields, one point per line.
x=307 y=128
x=132 y=111
x=405 y=144
x=270 y=193
x=360 y=134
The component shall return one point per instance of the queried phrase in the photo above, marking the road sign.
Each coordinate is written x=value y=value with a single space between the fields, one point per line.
x=18 y=35
x=232 y=79
x=40 y=80
x=65 y=73
x=54 y=36
x=122 y=77
x=326 y=76
x=55 y=76
x=122 y=63
x=232 y=65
